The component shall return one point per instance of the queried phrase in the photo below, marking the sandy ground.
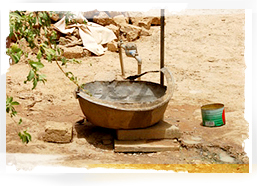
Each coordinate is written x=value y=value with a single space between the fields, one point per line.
x=205 y=52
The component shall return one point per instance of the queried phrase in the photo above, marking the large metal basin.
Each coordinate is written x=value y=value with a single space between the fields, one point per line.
x=125 y=104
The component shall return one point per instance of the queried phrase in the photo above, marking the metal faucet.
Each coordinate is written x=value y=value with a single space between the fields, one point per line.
x=130 y=51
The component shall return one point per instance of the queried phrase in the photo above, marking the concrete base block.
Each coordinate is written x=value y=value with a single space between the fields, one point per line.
x=161 y=130
x=146 y=145
x=58 y=132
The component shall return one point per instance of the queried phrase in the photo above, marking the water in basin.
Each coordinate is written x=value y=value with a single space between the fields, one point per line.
x=126 y=91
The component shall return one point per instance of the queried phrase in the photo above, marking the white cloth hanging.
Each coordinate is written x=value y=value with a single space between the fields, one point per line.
x=93 y=35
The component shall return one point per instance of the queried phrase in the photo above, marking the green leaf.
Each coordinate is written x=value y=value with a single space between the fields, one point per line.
x=15 y=58
x=20 y=121
x=36 y=64
x=28 y=135
x=24 y=139
x=7 y=109
x=67 y=74
x=13 y=113
x=34 y=20
x=15 y=103
x=75 y=61
x=39 y=55
x=40 y=14
x=9 y=99
x=39 y=21
x=58 y=50
x=42 y=77
x=49 y=57
x=34 y=83
x=15 y=15
x=31 y=75
x=15 y=48
x=64 y=61
x=19 y=53
x=51 y=51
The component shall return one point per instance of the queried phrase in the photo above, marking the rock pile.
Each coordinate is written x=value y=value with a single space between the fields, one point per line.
x=129 y=26
x=132 y=25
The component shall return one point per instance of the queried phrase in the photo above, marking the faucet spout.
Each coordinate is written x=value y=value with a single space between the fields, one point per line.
x=139 y=60
x=130 y=51
x=139 y=65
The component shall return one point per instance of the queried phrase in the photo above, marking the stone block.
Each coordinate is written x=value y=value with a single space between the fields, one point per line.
x=112 y=46
x=146 y=145
x=145 y=22
x=130 y=28
x=132 y=32
x=161 y=130
x=120 y=20
x=58 y=132
x=102 y=19
x=132 y=36
x=86 y=53
x=73 y=52
x=64 y=41
x=156 y=21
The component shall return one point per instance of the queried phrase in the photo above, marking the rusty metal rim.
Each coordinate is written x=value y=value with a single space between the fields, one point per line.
x=127 y=106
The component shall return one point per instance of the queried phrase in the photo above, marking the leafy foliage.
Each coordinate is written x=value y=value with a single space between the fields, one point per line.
x=33 y=73
x=25 y=137
x=15 y=53
x=28 y=26
x=35 y=27
x=10 y=106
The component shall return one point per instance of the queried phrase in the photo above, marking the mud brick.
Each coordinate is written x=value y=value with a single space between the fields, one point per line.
x=161 y=130
x=146 y=145
x=58 y=132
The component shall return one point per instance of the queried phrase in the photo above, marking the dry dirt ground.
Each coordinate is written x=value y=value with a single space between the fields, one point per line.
x=205 y=53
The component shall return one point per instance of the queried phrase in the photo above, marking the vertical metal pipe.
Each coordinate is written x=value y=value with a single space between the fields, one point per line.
x=139 y=71
x=121 y=61
x=162 y=46
x=120 y=54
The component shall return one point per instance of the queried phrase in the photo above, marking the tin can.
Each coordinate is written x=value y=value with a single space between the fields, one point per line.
x=213 y=115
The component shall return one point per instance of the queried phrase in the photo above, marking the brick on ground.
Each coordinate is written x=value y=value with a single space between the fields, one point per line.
x=58 y=132
x=146 y=145
x=161 y=130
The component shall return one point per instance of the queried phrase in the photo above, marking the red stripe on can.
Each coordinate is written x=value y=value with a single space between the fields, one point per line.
x=223 y=116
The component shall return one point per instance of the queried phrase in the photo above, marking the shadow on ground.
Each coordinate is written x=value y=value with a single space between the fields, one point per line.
x=98 y=136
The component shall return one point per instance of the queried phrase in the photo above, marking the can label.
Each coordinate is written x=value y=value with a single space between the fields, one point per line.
x=209 y=123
